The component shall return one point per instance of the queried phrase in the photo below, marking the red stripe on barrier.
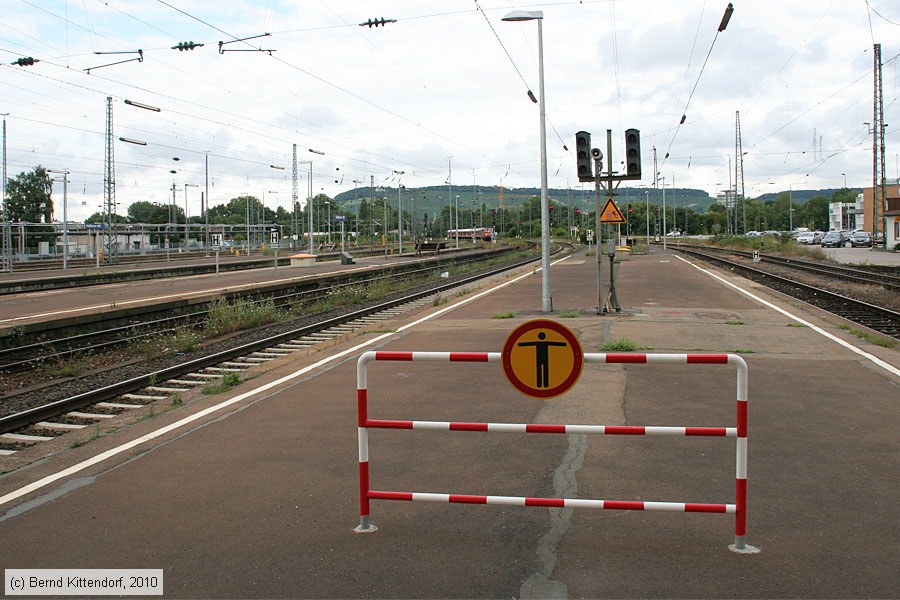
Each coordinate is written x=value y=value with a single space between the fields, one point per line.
x=364 y=489
x=539 y=428
x=465 y=499
x=705 y=508
x=386 y=355
x=406 y=496
x=710 y=431
x=626 y=358
x=740 y=517
x=388 y=424
x=620 y=505
x=707 y=359
x=742 y=418
x=551 y=502
x=362 y=407
x=468 y=426
x=624 y=430
x=468 y=357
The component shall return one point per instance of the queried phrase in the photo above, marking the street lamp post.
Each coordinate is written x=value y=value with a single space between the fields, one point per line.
x=663 y=179
x=647 y=200
x=65 y=175
x=400 y=213
x=546 y=298
x=309 y=202
x=186 y=186
x=457 y=222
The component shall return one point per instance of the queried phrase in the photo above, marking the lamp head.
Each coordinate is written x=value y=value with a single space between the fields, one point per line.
x=524 y=15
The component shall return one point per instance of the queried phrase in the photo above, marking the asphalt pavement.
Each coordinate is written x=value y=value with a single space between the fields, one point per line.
x=259 y=497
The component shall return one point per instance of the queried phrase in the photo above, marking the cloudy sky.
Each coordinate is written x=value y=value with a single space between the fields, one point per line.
x=443 y=91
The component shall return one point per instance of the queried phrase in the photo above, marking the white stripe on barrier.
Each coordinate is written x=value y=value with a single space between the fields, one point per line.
x=432 y=425
x=363 y=444
x=426 y=497
x=668 y=359
x=507 y=427
x=600 y=429
x=507 y=500
x=653 y=430
x=665 y=506
x=741 y=458
x=426 y=356
x=578 y=503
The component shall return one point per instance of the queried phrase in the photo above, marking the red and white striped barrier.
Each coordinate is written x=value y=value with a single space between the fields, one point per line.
x=739 y=508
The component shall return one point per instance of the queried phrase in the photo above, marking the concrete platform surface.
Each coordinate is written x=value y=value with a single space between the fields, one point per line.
x=259 y=498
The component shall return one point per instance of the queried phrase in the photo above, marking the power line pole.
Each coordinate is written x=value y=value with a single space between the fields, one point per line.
x=878 y=184
x=295 y=196
x=7 y=227
x=739 y=175
x=109 y=189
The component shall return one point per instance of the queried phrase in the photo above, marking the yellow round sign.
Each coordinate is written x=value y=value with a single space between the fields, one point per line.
x=542 y=358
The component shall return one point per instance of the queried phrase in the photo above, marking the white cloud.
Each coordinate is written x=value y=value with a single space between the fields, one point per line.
x=438 y=83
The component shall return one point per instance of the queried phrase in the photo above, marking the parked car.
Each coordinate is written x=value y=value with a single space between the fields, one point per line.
x=861 y=239
x=807 y=238
x=833 y=239
x=750 y=234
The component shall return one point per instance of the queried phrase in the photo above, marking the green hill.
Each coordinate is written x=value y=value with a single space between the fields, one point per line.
x=432 y=199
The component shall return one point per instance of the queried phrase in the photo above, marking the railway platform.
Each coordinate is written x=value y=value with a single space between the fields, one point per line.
x=254 y=493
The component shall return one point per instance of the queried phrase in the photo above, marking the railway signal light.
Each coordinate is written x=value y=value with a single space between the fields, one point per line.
x=583 y=156
x=25 y=61
x=186 y=46
x=633 y=153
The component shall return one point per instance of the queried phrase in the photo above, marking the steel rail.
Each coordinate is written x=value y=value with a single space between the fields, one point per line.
x=887 y=320
x=831 y=270
x=29 y=417
x=310 y=291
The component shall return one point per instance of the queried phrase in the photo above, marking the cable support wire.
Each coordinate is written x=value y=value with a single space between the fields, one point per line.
x=66 y=83
x=513 y=63
x=722 y=25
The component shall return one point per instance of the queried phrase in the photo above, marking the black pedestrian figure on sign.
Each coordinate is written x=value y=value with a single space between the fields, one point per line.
x=542 y=358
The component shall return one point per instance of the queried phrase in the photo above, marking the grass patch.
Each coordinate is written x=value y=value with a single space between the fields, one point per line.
x=76 y=441
x=568 y=314
x=742 y=351
x=181 y=340
x=74 y=366
x=242 y=314
x=734 y=322
x=793 y=324
x=228 y=381
x=438 y=300
x=872 y=338
x=620 y=345
x=504 y=315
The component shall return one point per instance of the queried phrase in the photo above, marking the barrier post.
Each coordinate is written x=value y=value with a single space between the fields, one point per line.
x=739 y=508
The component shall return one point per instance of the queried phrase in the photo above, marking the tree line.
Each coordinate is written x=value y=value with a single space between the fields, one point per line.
x=29 y=199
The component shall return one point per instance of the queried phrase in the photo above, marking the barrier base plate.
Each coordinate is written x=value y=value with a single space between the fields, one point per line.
x=747 y=549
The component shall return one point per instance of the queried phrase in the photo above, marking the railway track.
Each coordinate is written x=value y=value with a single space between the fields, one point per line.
x=877 y=318
x=50 y=342
x=47 y=421
x=888 y=277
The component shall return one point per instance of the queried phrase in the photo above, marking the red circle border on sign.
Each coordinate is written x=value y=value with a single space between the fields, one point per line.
x=562 y=330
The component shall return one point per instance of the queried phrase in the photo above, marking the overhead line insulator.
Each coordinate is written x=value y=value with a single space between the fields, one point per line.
x=25 y=61
x=186 y=46
x=376 y=22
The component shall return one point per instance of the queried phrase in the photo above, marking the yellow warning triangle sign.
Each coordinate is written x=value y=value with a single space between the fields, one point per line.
x=611 y=213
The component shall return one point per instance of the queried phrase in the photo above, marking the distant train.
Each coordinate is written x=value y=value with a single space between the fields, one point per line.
x=486 y=234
